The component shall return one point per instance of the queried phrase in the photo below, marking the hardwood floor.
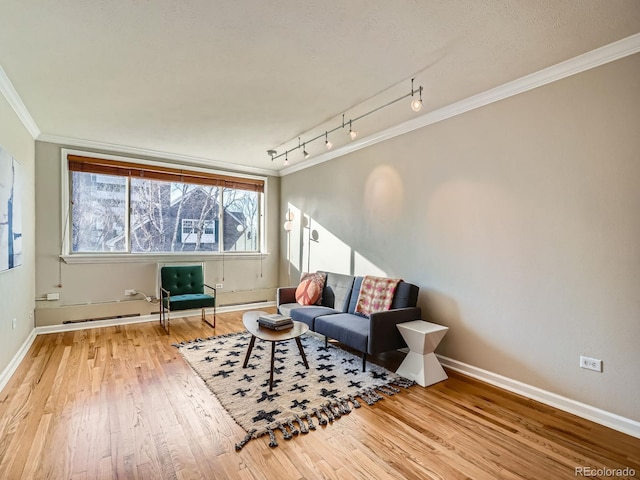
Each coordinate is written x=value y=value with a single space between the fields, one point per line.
x=120 y=402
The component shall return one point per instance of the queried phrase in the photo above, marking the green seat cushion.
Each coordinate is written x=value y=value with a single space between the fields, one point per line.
x=189 y=301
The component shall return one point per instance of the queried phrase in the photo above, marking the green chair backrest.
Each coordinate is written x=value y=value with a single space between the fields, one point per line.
x=181 y=280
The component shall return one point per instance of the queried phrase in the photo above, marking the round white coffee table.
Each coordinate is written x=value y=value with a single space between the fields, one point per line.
x=421 y=364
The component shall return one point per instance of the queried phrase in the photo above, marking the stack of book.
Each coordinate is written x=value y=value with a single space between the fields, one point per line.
x=275 y=322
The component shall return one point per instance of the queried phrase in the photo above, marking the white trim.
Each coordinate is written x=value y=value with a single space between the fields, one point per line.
x=8 y=372
x=597 y=415
x=229 y=168
x=159 y=258
x=595 y=58
x=7 y=89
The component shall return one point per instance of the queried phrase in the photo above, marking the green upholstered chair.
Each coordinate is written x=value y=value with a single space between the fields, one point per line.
x=182 y=288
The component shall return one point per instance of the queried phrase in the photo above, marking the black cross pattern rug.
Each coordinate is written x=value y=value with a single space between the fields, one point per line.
x=301 y=399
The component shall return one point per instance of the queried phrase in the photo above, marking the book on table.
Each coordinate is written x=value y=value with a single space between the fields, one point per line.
x=276 y=328
x=275 y=321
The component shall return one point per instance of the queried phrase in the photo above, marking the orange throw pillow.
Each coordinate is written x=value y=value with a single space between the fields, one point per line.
x=307 y=292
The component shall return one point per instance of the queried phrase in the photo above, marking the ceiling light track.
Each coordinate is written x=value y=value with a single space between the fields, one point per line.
x=416 y=106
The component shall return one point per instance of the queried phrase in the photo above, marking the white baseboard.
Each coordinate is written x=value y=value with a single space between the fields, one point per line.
x=602 y=417
x=6 y=374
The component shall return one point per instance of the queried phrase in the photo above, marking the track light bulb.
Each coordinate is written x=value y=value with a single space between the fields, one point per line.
x=327 y=143
x=305 y=153
x=416 y=105
x=353 y=134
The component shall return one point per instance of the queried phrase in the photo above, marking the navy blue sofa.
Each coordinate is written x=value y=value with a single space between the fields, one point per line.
x=335 y=317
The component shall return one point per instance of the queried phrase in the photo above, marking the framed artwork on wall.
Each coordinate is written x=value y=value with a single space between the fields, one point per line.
x=11 y=202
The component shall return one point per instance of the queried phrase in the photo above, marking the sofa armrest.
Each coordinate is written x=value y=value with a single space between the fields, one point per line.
x=383 y=334
x=285 y=295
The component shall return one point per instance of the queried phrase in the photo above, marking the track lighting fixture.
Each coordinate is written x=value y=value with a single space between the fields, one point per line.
x=352 y=133
x=416 y=106
x=416 y=103
x=327 y=143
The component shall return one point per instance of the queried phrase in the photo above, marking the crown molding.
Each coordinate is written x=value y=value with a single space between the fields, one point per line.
x=10 y=93
x=115 y=148
x=581 y=63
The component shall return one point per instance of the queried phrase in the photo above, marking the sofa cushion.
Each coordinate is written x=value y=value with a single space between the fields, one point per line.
x=406 y=296
x=337 y=291
x=307 y=314
x=351 y=330
x=355 y=293
x=286 y=308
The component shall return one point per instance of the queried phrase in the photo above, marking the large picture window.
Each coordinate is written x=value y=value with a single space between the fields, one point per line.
x=123 y=207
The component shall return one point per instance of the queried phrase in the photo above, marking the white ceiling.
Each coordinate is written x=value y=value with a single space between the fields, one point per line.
x=226 y=81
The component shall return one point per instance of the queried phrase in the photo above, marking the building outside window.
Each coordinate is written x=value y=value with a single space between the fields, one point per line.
x=117 y=208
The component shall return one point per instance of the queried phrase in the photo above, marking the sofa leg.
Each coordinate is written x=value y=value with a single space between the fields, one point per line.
x=364 y=361
x=326 y=341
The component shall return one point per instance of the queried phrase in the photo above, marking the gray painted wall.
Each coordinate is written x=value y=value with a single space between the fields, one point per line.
x=17 y=285
x=519 y=221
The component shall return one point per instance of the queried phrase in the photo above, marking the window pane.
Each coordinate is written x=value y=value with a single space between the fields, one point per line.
x=173 y=217
x=98 y=213
x=241 y=220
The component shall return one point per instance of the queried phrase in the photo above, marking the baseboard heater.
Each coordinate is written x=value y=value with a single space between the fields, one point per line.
x=101 y=318
x=241 y=303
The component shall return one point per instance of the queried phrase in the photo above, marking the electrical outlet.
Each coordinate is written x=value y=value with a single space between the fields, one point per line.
x=13 y=324
x=590 y=363
x=219 y=285
x=129 y=292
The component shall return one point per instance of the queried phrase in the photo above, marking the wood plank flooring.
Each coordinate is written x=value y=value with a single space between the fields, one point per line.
x=120 y=402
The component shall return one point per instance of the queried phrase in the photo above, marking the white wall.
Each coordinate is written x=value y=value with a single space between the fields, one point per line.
x=17 y=285
x=97 y=290
x=520 y=223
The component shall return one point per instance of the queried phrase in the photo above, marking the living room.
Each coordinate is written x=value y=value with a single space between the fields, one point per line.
x=511 y=202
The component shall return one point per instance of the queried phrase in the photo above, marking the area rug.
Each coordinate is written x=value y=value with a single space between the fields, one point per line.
x=301 y=398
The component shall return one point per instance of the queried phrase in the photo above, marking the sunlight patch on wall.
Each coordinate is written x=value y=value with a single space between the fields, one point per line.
x=362 y=266
x=314 y=247
x=293 y=238
x=325 y=251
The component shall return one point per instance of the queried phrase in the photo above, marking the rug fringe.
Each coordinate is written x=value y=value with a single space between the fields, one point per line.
x=333 y=409
x=213 y=337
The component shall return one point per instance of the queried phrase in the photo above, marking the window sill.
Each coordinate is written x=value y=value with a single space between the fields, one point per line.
x=79 y=258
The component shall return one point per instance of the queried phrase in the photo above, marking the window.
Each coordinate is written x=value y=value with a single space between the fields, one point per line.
x=122 y=207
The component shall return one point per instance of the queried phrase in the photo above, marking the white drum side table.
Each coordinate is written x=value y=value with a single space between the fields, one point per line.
x=421 y=364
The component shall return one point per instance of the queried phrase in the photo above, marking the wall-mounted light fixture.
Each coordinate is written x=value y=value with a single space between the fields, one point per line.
x=416 y=106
